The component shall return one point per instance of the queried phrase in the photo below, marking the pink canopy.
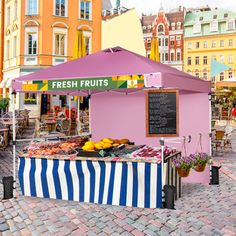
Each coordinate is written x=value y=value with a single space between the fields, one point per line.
x=116 y=62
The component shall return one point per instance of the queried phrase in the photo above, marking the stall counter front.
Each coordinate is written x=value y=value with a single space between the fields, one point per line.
x=124 y=183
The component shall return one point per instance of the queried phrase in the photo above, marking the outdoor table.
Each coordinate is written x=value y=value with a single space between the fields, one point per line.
x=51 y=124
x=5 y=135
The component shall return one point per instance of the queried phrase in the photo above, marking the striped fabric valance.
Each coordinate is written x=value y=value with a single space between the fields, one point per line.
x=117 y=183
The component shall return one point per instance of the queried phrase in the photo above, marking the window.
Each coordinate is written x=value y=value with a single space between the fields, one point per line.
x=8 y=50
x=178 y=25
x=86 y=10
x=213 y=79
x=205 y=60
x=8 y=15
x=178 y=38
x=15 y=10
x=14 y=46
x=172 y=56
x=214 y=26
x=178 y=58
x=159 y=42
x=189 y=61
x=173 y=26
x=196 y=60
x=60 y=7
x=231 y=24
x=88 y=41
x=32 y=7
x=32 y=43
x=230 y=59
x=189 y=45
x=205 y=44
x=205 y=75
x=197 y=74
x=225 y=15
x=222 y=76
x=222 y=59
x=197 y=28
x=213 y=44
x=166 y=57
x=160 y=28
x=30 y=98
x=230 y=74
x=215 y=17
x=172 y=40
x=166 y=42
x=213 y=57
x=197 y=45
x=59 y=48
x=222 y=42
x=230 y=42
x=201 y=18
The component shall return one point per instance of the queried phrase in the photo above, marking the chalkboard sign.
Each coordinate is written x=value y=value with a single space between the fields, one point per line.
x=162 y=113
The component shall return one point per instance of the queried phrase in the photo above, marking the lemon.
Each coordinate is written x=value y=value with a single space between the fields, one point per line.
x=89 y=142
x=98 y=146
x=107 y=140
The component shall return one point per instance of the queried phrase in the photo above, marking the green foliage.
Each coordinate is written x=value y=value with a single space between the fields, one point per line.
x=4 y=102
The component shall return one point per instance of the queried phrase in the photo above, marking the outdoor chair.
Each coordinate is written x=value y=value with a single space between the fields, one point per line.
x=41 y=129
x=2 y=143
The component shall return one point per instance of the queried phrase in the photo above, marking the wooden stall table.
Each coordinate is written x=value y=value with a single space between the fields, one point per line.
x=54 y=135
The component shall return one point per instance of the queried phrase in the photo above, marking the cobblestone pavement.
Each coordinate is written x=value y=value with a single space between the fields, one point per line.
x=203 y=210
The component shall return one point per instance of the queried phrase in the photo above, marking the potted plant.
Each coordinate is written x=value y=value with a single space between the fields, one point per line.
x=199 y=161
x=183 y=165
x=4 y=103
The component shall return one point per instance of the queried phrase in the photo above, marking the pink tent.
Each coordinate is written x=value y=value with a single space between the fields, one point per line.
x=116 y=62
x=114 y=114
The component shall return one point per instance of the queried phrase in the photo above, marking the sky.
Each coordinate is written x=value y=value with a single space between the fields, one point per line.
x=152 y=6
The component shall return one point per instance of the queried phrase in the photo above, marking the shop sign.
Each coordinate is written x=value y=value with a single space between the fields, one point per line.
x=124 y=81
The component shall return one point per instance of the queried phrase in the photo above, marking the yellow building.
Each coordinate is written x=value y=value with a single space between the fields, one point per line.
x=39 y=34
x=209 y=35
x=116 y=31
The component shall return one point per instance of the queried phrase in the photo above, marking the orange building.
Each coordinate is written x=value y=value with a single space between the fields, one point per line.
x=39 y=34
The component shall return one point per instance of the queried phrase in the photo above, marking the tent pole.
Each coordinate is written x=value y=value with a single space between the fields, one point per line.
x=13 y=136
x=70 y=105
x=90 y=130
x=78 y=115
x=162 y=142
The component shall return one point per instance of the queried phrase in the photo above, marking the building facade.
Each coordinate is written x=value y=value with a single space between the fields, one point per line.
x=209 y=34
x=168 y=28
x=39 y=34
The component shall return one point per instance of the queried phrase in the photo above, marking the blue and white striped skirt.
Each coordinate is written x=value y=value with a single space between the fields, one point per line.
x=135 y=184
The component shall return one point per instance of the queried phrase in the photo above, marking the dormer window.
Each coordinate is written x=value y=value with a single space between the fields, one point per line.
x=173 y=26
x=197 y=28
x=230 y=24
x=178 y=25
x=214 y=26
x=160 y=29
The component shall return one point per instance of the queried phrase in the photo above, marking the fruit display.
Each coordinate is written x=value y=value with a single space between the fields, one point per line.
x=103 y=144
x=151 y=152
x=55 y=147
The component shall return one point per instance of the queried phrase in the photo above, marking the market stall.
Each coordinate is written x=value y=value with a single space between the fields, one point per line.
x=119 y=107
